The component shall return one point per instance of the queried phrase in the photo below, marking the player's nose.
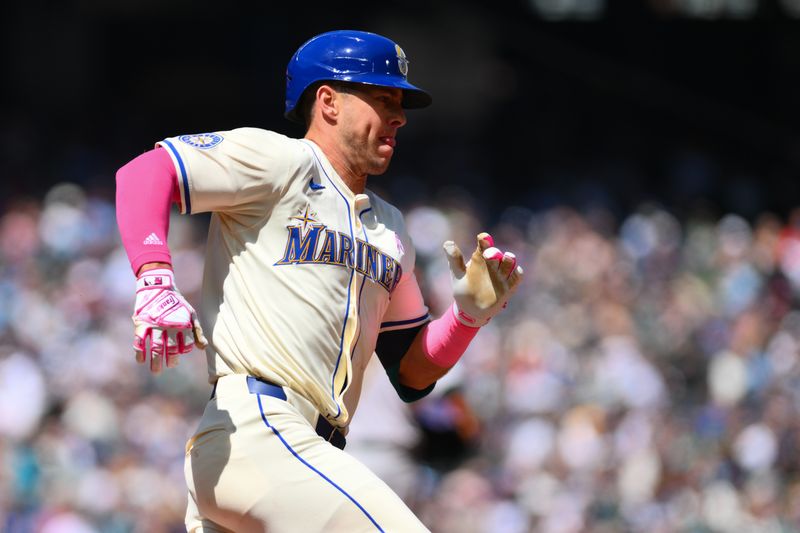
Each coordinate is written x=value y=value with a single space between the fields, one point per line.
x=398 y=118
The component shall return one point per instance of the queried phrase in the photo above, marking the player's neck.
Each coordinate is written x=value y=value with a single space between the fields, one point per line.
x=355 y=182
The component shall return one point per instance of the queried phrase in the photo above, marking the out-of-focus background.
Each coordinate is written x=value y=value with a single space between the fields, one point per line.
x=641 y=157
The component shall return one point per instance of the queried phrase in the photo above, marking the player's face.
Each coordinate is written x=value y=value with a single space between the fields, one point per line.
x=368 y=124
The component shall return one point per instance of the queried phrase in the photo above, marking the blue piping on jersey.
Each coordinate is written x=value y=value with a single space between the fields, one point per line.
x=341 y=348
x=360 y=292
x=404 y=322
x=320 y=474
x=184 y=177
x=353 y=237
x=363 y=280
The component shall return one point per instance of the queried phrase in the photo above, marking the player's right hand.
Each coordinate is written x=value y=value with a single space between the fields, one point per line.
x=483 y=285
x=165 y=325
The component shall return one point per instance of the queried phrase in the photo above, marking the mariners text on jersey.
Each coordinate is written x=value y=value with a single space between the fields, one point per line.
x=318 y=245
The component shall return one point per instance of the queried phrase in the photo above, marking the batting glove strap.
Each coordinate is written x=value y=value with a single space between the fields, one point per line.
x=159 y=278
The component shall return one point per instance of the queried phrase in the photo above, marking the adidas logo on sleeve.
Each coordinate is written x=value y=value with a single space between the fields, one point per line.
x=153 y=240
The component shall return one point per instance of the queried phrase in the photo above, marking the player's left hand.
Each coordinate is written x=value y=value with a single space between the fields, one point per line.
x=483 y=285
x=165 y=324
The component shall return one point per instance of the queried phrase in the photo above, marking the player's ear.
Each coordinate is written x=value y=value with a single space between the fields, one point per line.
x=328 y=102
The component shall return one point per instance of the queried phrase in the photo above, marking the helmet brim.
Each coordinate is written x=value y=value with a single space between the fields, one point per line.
x=413 y=96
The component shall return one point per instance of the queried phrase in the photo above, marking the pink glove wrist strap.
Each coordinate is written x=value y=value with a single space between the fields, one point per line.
x=158 y=278
x=446 y=339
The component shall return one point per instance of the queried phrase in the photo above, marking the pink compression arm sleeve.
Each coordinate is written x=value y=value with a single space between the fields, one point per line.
x=146 y=189
x=446 y=339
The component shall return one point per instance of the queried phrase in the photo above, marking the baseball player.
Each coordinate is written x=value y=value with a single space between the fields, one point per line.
x=307 y=274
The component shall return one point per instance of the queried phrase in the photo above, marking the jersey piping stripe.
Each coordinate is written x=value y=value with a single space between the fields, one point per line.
x=349 y=284
x=184 y=177
x=341 y=348
x=404 y=322
x=363 y=281
x=306 y=463
x=360 y=292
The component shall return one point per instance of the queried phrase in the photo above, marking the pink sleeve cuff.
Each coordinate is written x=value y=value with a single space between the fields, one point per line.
x=446 y=339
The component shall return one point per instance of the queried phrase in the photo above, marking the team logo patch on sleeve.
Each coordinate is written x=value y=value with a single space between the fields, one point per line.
x=204 y=141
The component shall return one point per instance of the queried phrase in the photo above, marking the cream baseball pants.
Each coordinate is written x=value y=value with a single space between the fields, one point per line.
x=256 y=463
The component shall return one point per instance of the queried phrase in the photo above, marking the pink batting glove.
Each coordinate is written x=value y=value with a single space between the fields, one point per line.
x=483 y=285
x=165 y=325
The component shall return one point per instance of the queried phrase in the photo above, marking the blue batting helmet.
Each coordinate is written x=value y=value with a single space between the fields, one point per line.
x=351 y=56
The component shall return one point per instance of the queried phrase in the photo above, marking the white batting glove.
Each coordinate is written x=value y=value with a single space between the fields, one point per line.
x=482 y=286
x=165 y=325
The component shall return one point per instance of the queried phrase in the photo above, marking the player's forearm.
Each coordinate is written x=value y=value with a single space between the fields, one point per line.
x=434 y=351
x=153 y=266
x=146 y=189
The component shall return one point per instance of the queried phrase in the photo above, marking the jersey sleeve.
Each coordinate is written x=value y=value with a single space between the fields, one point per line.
x=402 y=321
x=230 y=171
x=406 y=307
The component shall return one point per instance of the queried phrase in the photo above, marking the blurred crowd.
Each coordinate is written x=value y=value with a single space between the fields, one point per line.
x=642 y=379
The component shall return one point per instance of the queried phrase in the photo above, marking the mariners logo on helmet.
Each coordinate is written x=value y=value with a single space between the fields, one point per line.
x=402 y=61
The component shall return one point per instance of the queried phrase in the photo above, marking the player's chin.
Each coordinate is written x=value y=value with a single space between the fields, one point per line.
x=379 y=168
x=380 y=164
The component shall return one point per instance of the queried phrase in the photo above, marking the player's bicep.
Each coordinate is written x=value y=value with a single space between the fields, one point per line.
x=406 y=308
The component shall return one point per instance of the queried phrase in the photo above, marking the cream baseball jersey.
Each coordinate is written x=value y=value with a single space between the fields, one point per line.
x=301 y=274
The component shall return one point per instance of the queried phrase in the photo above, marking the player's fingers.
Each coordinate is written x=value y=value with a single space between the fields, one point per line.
x=180 y=341
x=508 y=263
x=147 y=348
x=485 y=241
x=138 y=348
x=157 y=350
x=174 y=352
x=492 y=254
x=455 y=259
x=174 y=339
x=185 y=341
x=164 y=345
x=199 y=339
x=515 y=277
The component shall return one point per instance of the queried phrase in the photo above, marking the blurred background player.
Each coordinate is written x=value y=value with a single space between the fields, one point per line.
x=307 y=274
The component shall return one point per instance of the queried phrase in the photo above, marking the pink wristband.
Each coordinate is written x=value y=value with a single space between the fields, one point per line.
x=446 y=339
x=146 y=189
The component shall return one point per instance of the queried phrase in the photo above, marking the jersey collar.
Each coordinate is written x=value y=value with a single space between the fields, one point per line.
x=328 y=169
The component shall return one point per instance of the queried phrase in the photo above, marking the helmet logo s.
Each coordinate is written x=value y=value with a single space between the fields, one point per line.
x=402 y=61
